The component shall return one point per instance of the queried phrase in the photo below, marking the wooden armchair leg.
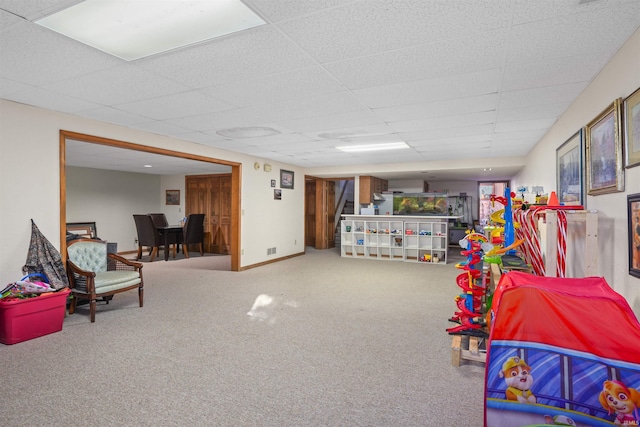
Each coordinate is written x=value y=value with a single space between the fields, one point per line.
x=139 y=253
x=154 y=252
x=92 y=309
x=72 y=305
x=201 y=251
x=141 y=296
x=185 y=249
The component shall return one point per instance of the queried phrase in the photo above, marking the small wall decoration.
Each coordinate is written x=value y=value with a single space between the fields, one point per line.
x=172 y=197
x=570 y=171
x=603 y=139
x=633 y=213
x=277 y=194
x=632 y=129
x=286 y=179
x=273 y=182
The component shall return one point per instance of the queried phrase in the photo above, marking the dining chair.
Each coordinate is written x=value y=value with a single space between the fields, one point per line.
x=148 y=235
x=160 y=220
x=94 y=273
x=193 y=233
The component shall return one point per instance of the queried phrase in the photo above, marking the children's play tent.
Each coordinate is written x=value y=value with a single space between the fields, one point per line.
x=562 y=352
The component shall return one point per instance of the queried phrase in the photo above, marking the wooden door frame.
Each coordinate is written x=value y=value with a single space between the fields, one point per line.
x=235 y=183
x=321 y=225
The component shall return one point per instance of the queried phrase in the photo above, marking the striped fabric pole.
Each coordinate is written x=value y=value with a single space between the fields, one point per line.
x=562 y=243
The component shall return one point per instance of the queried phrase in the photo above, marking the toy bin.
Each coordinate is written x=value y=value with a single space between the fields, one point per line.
x=25 y=319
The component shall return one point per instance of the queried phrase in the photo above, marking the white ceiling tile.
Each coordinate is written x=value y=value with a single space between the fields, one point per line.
x=532 y=112
x=374 y=26
x=34 y=9
x=456 y=85
x=362 y=118
x=175 y=105
x=481 y=118
x=8 y=86
x=117 y=85
x=525 y=125
x=571 y=35
x=159 y=127
x=541 y=96
x=217 y=121
x=552 y=72
x=423 y=62
x=441 y=108
x=283 y=10
x=276 y=88
x=248 y=54
x=51 y=100
x=322 y=105
x=64 y=58
x=113 y=115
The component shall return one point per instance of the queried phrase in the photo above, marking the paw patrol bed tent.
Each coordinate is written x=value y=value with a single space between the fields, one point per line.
x=561 y=352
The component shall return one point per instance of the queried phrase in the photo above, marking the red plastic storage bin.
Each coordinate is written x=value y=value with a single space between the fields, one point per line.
x=25 y=319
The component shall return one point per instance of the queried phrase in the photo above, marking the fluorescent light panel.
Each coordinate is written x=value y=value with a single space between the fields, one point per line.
x=373 y=147
x=135 y=29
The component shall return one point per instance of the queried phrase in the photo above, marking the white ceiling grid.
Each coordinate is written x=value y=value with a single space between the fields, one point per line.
x=455 y=79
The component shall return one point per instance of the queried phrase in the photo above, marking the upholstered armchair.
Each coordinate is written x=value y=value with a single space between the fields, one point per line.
x=94 y=274
x=193 y=233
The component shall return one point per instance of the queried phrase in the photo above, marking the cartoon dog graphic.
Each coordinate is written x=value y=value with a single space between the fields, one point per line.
x=517 y=375
x=622 y=401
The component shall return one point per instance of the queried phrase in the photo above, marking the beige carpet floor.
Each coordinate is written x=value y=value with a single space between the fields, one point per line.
x=316 y=340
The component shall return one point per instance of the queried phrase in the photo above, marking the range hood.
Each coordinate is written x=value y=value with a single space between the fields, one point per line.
x=377 y=197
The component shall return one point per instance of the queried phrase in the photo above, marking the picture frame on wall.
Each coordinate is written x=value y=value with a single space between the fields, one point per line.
x=603 y=144
x=172 y=197
x=632 y=129
x=633 y=215
x=286 y=179
x=570 y=170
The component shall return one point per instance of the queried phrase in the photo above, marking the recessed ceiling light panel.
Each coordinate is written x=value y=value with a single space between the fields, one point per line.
x=373 y=147
x=135 y=29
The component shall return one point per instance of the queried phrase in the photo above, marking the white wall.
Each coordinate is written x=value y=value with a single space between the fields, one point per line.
x=110 y=198
x=30 y=186
x=619 y=78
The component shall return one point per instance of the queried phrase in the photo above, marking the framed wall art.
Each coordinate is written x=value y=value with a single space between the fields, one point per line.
x=570 y=170
x=286 y=179
x=632 y=129
x=172 y=197
x=633 y=213
x=603 y=143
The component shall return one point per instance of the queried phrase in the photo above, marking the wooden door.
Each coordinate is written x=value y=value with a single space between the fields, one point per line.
x=224 y=216
x=211 y=195
x=310 y=213
x=330 y=213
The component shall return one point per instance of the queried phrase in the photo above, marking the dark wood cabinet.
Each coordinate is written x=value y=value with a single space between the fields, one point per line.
x=370 y=185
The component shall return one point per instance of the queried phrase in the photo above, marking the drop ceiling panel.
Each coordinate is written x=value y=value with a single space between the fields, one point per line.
x=276 y=88
x=62 y=58
x=245 y=55
x=423 y=62
x=457 y=85
x=459 y=79
x=175 y=105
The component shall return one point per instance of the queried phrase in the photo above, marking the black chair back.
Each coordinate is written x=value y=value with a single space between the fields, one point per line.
x=159 y=219
x=147 y=232
x=194 y=229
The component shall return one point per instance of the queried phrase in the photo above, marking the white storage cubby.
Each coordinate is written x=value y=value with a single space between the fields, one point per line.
x=425 y=241
x=420 y=240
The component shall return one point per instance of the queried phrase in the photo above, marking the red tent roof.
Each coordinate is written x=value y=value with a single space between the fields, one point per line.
x=581 y=314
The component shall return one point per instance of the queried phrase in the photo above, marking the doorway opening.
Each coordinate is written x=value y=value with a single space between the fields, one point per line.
x=235 y=183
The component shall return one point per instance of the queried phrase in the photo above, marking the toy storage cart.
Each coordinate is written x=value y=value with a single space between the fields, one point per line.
x=25 y=319
x=561 y=350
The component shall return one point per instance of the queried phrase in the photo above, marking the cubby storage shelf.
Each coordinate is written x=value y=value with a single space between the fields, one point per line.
x=421 y=239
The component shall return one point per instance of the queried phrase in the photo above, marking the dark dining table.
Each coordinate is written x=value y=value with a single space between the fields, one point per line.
x=167 y=232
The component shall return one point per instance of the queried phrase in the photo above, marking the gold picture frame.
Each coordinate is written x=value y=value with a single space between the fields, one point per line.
x=603 y=143
x=632 y=129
